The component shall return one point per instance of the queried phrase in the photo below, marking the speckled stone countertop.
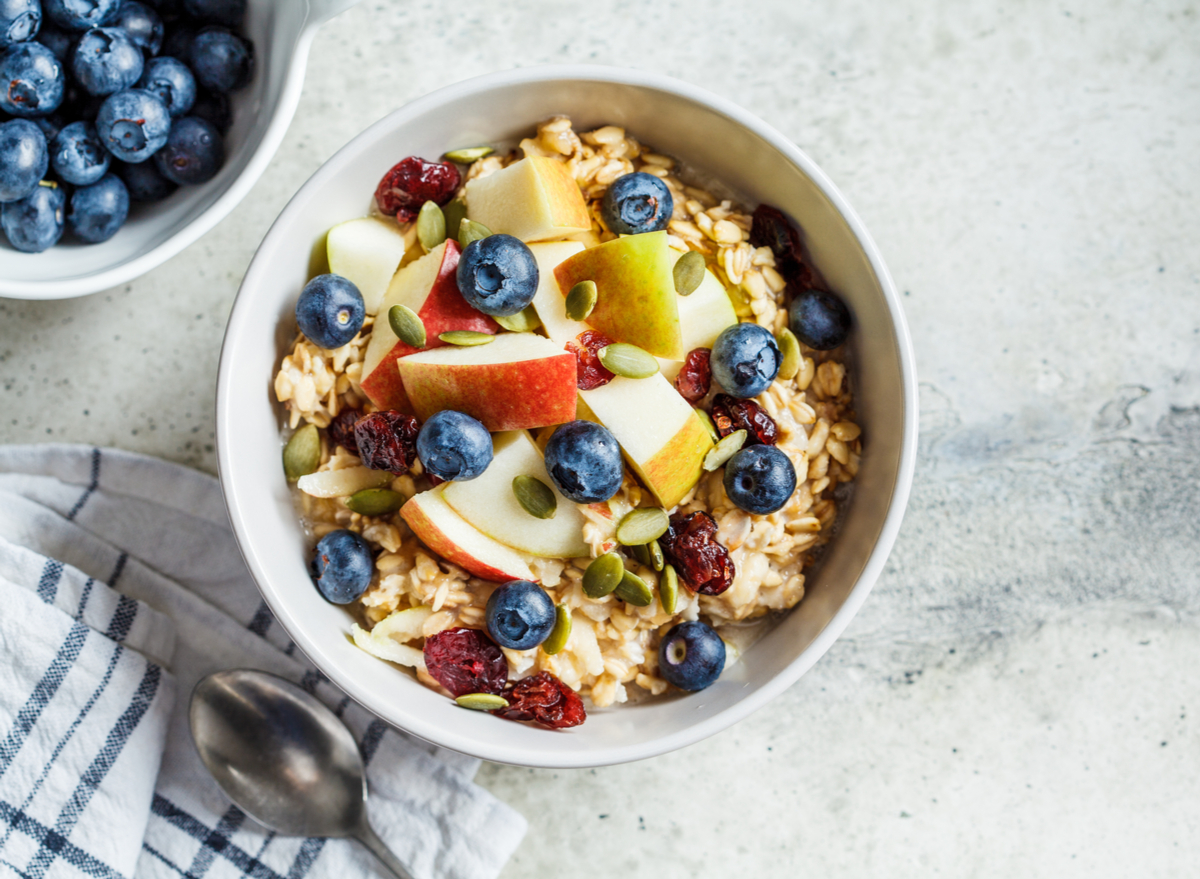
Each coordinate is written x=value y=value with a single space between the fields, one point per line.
x=1018 y=696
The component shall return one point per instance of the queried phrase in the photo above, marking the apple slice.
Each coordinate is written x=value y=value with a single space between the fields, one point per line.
x=367 y=252
x=535 y=199
x=636 y=300
x=702 y=317
x=428 y=287
x=660 y=435
x=489 y=504
x=520 y=380
x=453 y=538
x=549 y=301
x=344 y=482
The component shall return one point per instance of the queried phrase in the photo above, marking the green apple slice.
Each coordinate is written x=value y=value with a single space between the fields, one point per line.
x=367 y=252
x=702 y=317
x=535 y=199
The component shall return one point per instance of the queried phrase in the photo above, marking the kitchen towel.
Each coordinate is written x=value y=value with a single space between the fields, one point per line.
x=122 y=586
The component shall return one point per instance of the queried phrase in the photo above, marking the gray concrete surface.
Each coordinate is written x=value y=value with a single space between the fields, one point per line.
x=1017 y=697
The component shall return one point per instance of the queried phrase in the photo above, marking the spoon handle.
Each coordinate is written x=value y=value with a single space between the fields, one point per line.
x=368 y=837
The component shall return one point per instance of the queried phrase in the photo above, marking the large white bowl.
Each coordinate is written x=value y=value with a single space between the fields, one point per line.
x=707 y=133
x=282 y=34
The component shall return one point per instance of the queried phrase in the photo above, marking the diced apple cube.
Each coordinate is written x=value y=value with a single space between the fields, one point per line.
x=535 y=199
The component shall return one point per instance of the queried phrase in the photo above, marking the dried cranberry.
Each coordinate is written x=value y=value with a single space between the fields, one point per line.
x=387 y=440
x=411 y=183
x=466 y=661
x=695 y=378
x=730 y=414
x=690 y=544
x=341 y=430
x=589 y=372
x=544 y=699
x=770 y=228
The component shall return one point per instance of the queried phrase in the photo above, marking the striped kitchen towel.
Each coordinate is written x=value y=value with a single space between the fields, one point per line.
x=122 y=586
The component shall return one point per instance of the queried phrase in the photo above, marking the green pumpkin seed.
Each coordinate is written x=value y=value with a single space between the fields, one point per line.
x=581 y=300
x=707 y=421
x=302 y=454
x=49 y=184
x=603 y=575
x=467 y=155
x=455 y=212
x=482 y=701
x=407 y=325
x=689 y=272
x=375 y=501
x=630 y=361
x=535 y=497
x=633 y=590
x=789 y=347
x=668 y=589
x=724 y=450
x=431 y=226
x=642 y=526
x=469 y=231
x=656 y=555
x=561 y=632
x=641 y=553
x=525 y=321
x=466 y=338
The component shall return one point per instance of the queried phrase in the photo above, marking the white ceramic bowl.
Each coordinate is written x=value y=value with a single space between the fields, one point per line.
x=282 y=33
x=707 y=133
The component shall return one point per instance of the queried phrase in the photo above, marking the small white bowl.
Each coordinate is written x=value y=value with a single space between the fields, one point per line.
x=282 y=34
x=726 y=144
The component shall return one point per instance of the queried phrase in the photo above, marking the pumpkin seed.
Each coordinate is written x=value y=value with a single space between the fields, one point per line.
x=668 y=589
x=707 y=421
x=630 y=361
x=641 y=553
x=603 y=575
x=466 y=338
x=375 y=501
x=789 y=347
x=431 y=226
x=689 y=272
x=633 y=590
x=581 y=300
x=724 y=450
x=525 y=321
x=482 y=701
x=469 y=231
x=561 y=632
x=641 y=526
x=455 y=212
x=467 y=155
x=302 y=454
x=535 y=497
x=407 y=325
x=656 y=555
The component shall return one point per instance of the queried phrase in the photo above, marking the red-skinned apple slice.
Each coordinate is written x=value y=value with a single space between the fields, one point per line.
x=428 y=287
x=453 y=538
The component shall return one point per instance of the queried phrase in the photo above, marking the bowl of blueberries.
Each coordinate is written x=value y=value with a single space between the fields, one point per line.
x=129 y=128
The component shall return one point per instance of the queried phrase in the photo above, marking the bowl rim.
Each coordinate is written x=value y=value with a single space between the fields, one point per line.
x=607 y=755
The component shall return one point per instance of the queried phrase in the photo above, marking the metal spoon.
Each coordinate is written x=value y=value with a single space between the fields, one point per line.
x=284 y=758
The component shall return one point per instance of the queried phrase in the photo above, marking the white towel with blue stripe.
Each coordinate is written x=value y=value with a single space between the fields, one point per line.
x=120 y=587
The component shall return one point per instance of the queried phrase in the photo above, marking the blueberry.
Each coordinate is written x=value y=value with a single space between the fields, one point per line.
x=133 y=124
x=23 y=159
x=143 y=25
x=144 y=182
x=35 y=222
x=520 y=615
x=99 y=210
x=35 y=80
x=57 y=40
x=193 y=152
x=226 y=12
x=77 y=155
x=745 y=360
x=498 y=275
x=79 y=15
x=584 y=461
x=760 y=479
x=820 y=320
x=691 y=656
x=178 y=41
x=637 y=203
x=19 y=21
x=221 y=61
x=214 y=107
x=106 y=61
x=454 y=446
x=330 y=311
x=342 y=566
x=172 y=81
